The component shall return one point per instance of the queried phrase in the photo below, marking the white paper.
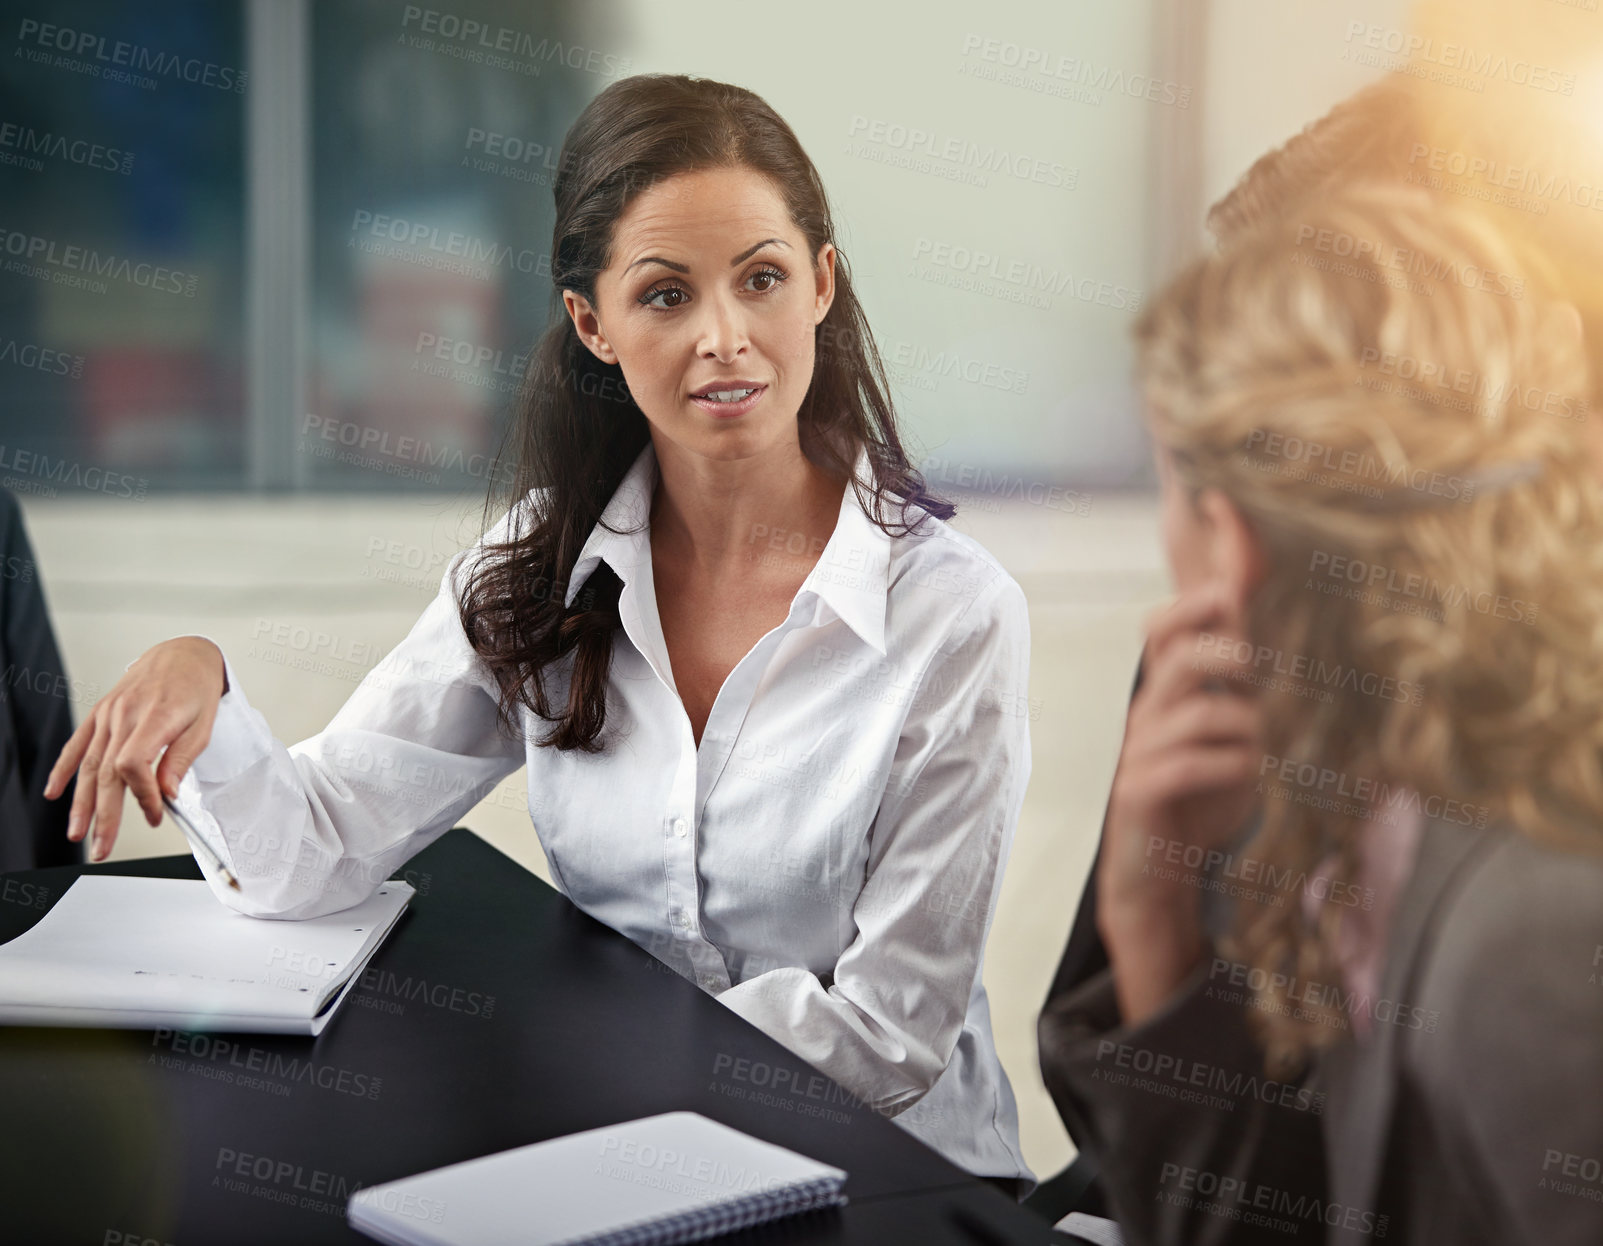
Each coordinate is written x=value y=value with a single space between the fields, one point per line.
x=1091 y=1228
x=118 y=950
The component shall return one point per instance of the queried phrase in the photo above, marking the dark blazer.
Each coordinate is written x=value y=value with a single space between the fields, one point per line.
x=1471 y=1114
x=1084 y=957
x=35 y=712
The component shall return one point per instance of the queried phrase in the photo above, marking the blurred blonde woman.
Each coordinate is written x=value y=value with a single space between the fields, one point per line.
x=1377 y=1014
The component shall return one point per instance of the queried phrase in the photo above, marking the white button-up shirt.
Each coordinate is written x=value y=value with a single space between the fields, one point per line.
x=826 y=862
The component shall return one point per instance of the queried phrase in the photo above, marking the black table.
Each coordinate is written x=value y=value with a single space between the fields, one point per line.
x=496 y=1014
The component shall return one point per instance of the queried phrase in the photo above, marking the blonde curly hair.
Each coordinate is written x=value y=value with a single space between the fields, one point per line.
x=1398 y=129
x=1366 y=135
x=1282 y=343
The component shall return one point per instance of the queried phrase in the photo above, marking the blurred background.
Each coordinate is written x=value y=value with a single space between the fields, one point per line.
x=268 y=271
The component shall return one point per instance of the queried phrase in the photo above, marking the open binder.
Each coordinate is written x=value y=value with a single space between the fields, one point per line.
x=121 y=952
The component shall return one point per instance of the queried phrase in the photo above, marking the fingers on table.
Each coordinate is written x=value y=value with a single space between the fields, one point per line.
x=123 y=741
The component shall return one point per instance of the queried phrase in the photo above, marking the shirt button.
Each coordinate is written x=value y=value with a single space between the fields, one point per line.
x=709 y=983
x=680 y=827
x=679 y=917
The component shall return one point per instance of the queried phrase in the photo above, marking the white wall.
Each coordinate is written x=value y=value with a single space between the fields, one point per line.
x=824 y=65
x=1274 y=66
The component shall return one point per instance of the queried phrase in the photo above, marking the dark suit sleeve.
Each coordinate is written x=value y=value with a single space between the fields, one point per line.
x=36 y=719
x=1085 y=957
x=1195 y=1144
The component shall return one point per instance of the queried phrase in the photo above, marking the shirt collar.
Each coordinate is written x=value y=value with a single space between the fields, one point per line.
x=851 y=577
x=628 y=511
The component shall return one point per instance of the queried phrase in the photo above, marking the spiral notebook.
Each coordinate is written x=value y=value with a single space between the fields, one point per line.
x=678 y=1177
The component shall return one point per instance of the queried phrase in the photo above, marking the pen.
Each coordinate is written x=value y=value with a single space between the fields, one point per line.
x=190 y=833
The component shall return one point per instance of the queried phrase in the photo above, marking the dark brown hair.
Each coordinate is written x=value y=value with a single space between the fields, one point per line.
x=577 y=430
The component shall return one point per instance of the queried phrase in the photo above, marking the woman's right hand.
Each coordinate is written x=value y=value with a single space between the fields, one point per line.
x=1185 y=785
x=167 y=700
